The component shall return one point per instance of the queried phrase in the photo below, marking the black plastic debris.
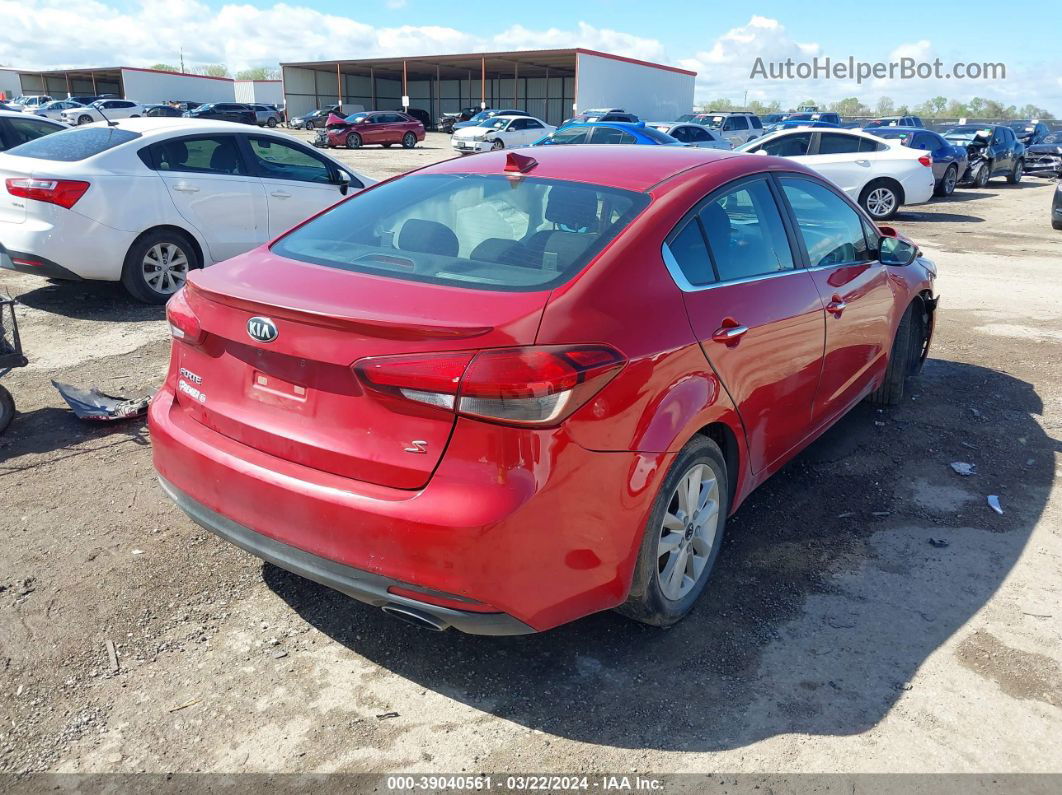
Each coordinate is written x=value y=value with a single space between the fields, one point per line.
x=91 y=404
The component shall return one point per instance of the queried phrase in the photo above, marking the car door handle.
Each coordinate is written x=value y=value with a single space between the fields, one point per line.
x=280 y=194
x=185 y=188
x=730 y=334
x=836 y=306
x=862 y=162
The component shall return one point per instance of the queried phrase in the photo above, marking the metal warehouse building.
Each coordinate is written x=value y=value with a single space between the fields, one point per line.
x=143 y=85
x=550 y=84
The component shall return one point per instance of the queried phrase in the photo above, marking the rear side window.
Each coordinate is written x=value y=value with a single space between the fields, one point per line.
x=691 y=254
x=836 y=144
x=793 y=145
x=745 y=233
x=69 y=146
x=577 y=136
x=612 y=135
x=215 y=154
x=478 y=231
x=832 y=231
x=756 y=123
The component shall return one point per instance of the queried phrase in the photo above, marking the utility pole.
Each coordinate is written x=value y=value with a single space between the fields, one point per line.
x=182 y=59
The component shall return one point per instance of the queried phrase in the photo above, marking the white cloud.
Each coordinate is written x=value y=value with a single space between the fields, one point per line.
x=242 y=35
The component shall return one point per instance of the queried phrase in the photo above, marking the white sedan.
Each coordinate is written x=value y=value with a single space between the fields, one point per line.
x=54 y=109
x=146 y=200
x=500 y=132
x=881 y=175
x=103 y=110
x=692 y=134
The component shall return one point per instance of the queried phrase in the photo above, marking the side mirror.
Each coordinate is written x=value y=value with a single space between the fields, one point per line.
x=897 y=251
x=342 y=179
x=760 y=152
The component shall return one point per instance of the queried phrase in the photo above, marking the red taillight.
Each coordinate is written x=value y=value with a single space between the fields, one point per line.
x=926 y=160
x=539 y=385
x=184 y=325
x=64 y=192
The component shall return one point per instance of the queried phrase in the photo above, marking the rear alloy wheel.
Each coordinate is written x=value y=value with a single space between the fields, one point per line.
x=1014 y=177
x=353 y=141
x=271 y=122
x=157 y=266
x=409 y=140
x=880 y=200
x=83 y=119
x=682 y=538
x=310 y=125
x=947 y=184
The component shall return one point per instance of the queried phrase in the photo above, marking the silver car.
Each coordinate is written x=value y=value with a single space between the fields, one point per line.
x=692 y=134
x=267 y=115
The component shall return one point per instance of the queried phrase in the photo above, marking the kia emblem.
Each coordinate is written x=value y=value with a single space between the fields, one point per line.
x=262 y=329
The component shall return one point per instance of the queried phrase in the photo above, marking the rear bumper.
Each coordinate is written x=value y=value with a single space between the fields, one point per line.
x=518 y=522
x=76 y=248
x=24 y=262
x=361 y=585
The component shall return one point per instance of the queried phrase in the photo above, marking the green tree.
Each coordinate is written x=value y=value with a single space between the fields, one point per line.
x=212 y=70
x=164 y=67
x=718 y=104
x=258 y=73
x=850 y=106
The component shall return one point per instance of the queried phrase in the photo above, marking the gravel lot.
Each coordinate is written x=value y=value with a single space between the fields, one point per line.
x=835 y=635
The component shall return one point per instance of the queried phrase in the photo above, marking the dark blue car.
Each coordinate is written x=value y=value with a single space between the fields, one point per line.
x=949 y=162
x=608 y=132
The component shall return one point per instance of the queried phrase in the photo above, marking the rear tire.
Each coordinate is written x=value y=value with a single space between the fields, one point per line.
x=271 y=122
x=1014 y=177
x=157 y=265
x=1056 y=224
x=947 y=184
x=908 y=349
x=677 y=540
x=881 y=199
x=409 y=140
x=7 y=408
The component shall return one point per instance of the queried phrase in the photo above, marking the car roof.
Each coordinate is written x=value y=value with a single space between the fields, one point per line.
x=167 y=125
x=902 y=129
x=17 y=114
x=636 y=168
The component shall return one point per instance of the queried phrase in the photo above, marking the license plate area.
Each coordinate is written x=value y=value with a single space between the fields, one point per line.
x=276 y=391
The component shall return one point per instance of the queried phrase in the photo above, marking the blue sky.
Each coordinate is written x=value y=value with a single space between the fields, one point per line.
x=719 y=40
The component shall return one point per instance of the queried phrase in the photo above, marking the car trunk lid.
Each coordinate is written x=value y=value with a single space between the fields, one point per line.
x=296 y=396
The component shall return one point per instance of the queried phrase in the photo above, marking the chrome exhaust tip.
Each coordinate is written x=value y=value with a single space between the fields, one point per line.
x=415 y=617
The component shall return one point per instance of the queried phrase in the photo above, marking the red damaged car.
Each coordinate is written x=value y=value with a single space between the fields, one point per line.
x=503 y=392
x=376 y=127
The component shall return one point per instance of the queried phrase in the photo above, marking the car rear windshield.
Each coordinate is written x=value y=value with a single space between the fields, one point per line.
x=658 y=136
x=71 y=145
x=472 y=230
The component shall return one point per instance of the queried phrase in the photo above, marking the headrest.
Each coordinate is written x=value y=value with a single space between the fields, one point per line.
x=429 y=237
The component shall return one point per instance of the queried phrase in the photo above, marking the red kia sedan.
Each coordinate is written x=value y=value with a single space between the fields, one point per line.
x=503 y=392
x=362 y=129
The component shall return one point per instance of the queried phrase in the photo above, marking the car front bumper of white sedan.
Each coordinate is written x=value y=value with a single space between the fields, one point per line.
x=468 y=146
